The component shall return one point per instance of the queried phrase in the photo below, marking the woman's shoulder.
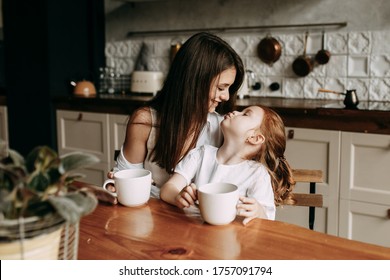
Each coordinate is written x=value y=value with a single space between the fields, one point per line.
x=142 y=115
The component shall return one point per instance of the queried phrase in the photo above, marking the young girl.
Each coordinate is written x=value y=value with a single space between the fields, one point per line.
x=251 y=157
x=203 y=79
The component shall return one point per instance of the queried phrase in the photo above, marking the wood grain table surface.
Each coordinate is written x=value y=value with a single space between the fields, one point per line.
x=160 y=231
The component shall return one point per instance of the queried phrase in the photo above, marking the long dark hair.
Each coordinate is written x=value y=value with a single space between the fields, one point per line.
x=182 y=104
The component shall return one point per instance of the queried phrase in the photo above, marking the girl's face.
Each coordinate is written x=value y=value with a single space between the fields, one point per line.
x=219 y=90
x=243 y=124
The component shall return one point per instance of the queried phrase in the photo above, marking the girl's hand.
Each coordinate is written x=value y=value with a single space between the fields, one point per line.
x=250 y=209
x=187 y=196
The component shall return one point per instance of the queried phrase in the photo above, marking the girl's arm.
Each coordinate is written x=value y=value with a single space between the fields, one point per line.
x=176 y=192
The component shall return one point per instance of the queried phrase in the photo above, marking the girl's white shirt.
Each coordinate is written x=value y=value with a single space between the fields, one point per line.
x=210 y=135
x=201 y=167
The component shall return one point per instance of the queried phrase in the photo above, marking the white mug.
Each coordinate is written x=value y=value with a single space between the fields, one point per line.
x=132 y=186
x=218 y=202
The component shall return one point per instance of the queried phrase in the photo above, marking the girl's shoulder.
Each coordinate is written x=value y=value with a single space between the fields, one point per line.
x=258 y=167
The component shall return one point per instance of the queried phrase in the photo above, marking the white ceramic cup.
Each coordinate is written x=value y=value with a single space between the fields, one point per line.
x=218 y=202
x=132 y=186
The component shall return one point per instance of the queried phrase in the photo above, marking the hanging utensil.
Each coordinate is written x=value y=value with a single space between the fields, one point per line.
x=322 y=56
x=269 y=50
x=303 y=65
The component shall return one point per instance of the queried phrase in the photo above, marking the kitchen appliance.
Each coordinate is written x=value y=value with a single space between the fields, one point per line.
x=146 y=82
x=350 y=100
x=83 y=88
x=249 y=84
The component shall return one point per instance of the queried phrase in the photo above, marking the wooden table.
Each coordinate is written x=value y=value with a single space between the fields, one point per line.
x=160 y=231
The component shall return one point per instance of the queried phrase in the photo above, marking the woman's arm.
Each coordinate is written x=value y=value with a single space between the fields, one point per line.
x=137 y=134
x=176 y=192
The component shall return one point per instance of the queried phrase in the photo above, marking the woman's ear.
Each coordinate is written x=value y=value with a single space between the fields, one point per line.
x=256 y=139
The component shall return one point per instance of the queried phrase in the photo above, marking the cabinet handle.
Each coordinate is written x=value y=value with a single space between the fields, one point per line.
x=388 y=213
x=80 y=117
x=290 y=134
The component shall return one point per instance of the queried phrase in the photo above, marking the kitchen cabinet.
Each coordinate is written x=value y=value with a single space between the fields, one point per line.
x=95 y=133
x=356 y=188
x=314 y=149
x=3 y=123
x=365 y=188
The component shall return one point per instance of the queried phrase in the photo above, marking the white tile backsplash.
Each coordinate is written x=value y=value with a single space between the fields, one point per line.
x=358 y=66
x=359 y=60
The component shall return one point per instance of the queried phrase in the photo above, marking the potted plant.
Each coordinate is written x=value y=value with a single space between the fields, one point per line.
x=37 y=202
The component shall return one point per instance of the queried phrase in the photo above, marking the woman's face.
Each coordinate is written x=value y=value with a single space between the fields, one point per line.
x=219 y=90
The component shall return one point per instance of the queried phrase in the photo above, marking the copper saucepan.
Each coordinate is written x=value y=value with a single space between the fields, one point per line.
x=269 y=50
x=350 y=100
x=323 y=55
x=303 y=65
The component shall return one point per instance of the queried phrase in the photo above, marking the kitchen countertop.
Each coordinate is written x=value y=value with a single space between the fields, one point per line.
x=369 y=117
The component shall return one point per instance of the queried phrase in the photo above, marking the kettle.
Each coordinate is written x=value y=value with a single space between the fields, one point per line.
x=350 y=100
x=83 y=88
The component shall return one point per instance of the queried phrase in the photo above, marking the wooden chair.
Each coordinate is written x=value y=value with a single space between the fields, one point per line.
x=311 y=199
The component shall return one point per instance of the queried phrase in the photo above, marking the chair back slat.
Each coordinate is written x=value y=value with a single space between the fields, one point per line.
x=307 y=175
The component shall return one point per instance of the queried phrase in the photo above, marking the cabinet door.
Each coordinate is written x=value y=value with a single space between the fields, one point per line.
x=366 y=222
x=88 y=132
x=314 y=149
x=365 y=169
x=365 y=188
x=83 y=131
x=3 y=123
x=118 y=124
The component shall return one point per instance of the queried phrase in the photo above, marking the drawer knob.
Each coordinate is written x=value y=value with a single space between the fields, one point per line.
x=290 y=134
x=80 y=117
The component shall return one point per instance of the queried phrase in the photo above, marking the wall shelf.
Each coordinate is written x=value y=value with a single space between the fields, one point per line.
x=305 y=26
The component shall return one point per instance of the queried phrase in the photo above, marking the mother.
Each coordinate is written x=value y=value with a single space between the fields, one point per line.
x=202 y=83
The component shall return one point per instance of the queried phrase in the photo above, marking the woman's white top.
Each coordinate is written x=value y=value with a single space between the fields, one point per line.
x=201 y=167
x=210 y=135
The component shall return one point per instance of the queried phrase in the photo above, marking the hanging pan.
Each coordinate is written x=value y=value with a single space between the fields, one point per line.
x=303 y=65
x=269 y=50
x=322 y=56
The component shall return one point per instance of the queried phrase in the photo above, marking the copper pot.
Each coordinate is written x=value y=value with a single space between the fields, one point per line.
x=269 y=50
x=322 y=56
x=303 y=64
x=174 y=49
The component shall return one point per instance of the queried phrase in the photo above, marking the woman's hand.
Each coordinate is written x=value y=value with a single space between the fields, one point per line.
x=187 y=196
x=250 y=209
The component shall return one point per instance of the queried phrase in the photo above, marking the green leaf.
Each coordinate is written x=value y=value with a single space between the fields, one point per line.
x=39 y=182
x=75 y=205
x=41 y=159
x=77 y=160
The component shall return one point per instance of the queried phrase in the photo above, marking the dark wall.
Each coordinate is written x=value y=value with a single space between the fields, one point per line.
x=47 y=43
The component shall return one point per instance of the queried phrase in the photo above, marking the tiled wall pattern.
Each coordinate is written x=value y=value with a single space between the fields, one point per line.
x=359 y=60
